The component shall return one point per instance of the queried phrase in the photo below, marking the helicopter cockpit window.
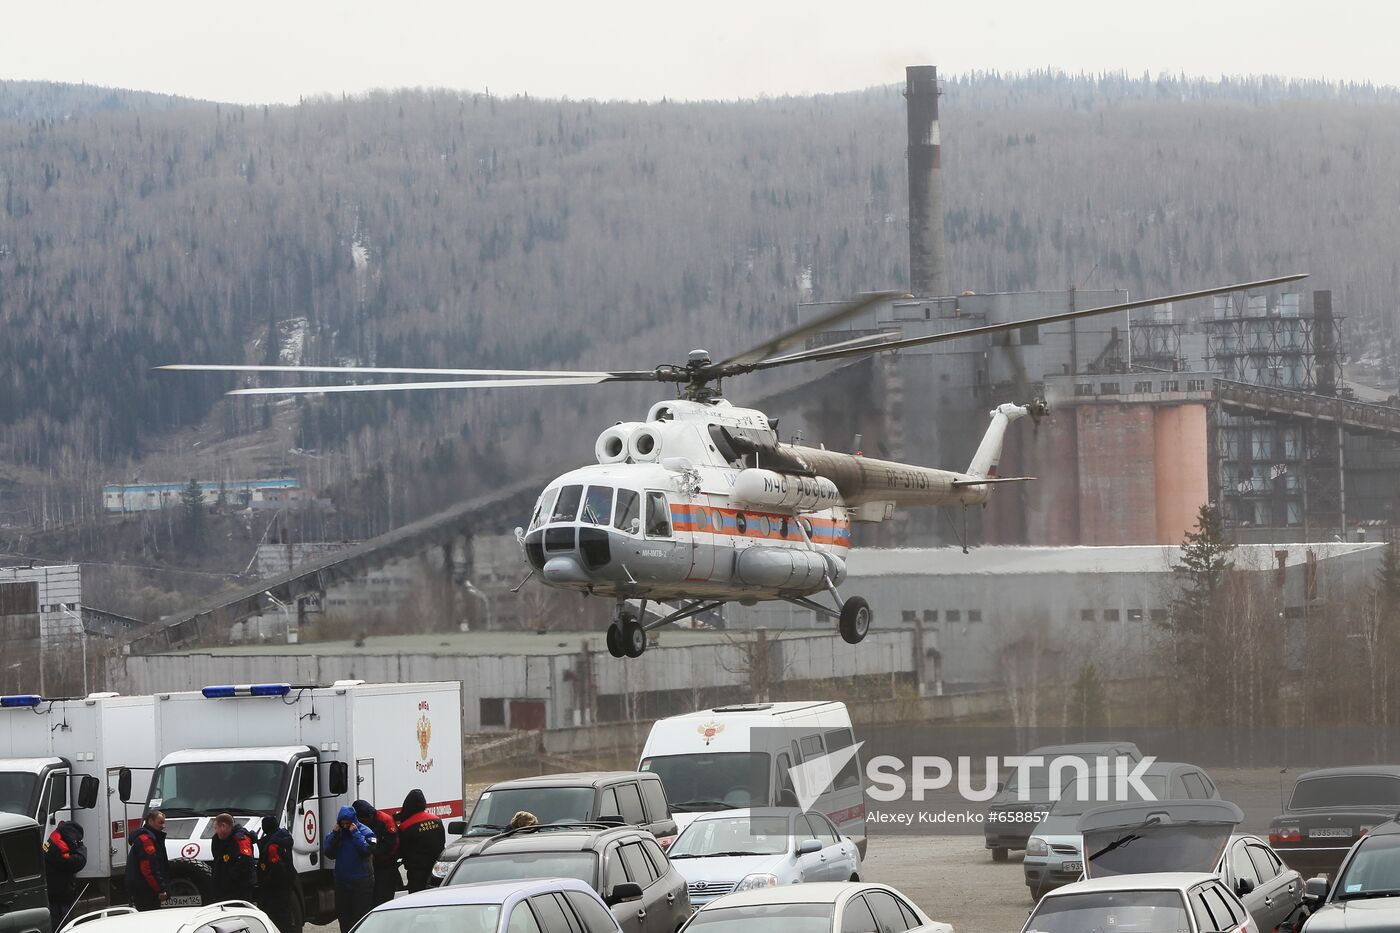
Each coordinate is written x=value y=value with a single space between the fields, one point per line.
x=628 y=515
x=544 y=509
x=566 y=509
x=597 y=505
x=658 y=515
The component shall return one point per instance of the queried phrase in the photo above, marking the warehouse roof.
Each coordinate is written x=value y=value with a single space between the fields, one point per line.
x=1001 y=560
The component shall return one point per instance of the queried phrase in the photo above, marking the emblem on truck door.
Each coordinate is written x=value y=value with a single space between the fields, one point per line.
x=425 y=735
x=709 y=730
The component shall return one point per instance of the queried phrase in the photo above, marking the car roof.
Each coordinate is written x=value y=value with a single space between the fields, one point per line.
x=820 y=892
x=1149 y=881
x=168 y=918
x=555 y=840
x=573 y=779
x=1385 y=770
x=744 y=813
x=9 y=821
x=1079 y=747
x=483 y=892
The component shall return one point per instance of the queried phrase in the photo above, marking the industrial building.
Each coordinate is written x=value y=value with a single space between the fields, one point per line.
x=248 y=494
x=1070 y=604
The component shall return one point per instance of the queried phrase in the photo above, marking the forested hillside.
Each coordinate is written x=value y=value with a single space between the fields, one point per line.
x=435 y=228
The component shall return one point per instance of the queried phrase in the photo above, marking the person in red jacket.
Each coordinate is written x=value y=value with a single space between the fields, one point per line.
x=147 y=866
x=386 y=849
x=421 y=839
x=64 y=856
x=235 y=866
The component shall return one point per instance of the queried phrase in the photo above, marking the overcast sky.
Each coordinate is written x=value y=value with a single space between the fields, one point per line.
x=260 y=51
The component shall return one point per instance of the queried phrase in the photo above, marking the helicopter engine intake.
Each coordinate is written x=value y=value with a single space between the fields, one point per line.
x=611 y=446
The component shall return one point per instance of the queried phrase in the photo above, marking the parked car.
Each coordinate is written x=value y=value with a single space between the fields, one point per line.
x=623 y=864
x=1009 y=824
x=627 y=798
x=224 y=917
x=825 y=907
x=1365 y=894
x=548 y=905
x=740 y=850
x=1054 y=852
x=24 y=898
x=1170 y=902
x=1329 y=811
x=1194 y=836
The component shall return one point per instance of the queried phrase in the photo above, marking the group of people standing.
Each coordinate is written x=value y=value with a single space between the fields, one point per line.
x=368 y=845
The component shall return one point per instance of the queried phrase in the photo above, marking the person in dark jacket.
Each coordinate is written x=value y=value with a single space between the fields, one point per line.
x=64 y=856
x=351 y=844
x=279 y=888
x=235 y=866
x=421 y=839
x=386 y=849
x=147 y=866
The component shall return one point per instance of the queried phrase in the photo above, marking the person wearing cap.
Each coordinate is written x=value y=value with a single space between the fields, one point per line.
x=235 y=867
x=279 y=888
x=64 y=856
x=422 y=838
x=386 y=849
x=351 y=844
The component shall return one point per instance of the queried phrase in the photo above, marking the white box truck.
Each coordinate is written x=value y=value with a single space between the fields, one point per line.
x=739 y=756
x=298 y=754
x=60 y=759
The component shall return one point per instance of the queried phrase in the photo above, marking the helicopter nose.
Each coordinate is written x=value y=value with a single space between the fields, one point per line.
x=564 y=570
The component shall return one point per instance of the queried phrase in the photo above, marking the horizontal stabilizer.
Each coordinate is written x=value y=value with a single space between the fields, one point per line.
x=987 y=482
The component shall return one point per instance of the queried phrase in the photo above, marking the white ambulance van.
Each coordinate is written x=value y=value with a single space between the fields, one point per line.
x=739 y=756
x=297 y=753
x=60 y=759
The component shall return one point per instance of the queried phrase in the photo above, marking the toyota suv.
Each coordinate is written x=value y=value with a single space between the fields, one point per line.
x=623 y=864
x=620 y=798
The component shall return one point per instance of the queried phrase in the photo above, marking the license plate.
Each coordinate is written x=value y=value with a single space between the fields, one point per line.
x=1072 y=866
x=190 y=900
x=1329 y=833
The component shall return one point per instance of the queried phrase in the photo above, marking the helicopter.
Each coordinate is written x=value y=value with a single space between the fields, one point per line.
x=701 y=504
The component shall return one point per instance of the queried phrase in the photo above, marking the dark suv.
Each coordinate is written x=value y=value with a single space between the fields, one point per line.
x=1330 y=810
x=622 y=863
x=622 y=798
x=24 y=900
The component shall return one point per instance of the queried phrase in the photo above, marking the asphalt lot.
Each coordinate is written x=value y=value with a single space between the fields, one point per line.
x=953 y=877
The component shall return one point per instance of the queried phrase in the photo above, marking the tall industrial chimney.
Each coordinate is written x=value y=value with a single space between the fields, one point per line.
x=927 y=274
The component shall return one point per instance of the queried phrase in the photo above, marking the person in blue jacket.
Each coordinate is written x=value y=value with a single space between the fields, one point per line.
x=351 y=844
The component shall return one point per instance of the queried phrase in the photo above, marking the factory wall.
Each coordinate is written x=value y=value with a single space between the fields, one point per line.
x=537 y=690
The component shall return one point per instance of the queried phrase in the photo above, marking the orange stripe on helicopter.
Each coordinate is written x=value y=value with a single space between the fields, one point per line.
x=758 y=525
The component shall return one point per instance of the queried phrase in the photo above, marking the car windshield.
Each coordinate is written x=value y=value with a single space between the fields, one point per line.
x=716 y=781
x=436 y=918
x=739 y=835
x=1374 y=871
x=204 y=788
x=1119 y=911
x=1346 y=790
x=519 y=865
x=1078 y=797
x=17 y=791
x=764 y=918
x=496 y=808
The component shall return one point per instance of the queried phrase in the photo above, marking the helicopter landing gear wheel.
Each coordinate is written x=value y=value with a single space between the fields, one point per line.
x=634 y=637
x=855 y=620
x=615 y=641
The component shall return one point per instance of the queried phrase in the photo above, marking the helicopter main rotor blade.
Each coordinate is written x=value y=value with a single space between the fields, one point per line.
x=815 y=326
x=377 y=370
x=408 y=386
x=833 y=353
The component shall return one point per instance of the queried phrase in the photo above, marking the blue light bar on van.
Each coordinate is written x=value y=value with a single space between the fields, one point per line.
x=247 y=690
x=23 y=699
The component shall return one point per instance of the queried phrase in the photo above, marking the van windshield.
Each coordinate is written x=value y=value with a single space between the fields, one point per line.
x=17 y=791
x=704 y=782
x=204 y=788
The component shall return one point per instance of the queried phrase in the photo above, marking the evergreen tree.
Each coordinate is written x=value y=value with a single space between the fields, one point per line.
x=1195 y=612
x=192 y=515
